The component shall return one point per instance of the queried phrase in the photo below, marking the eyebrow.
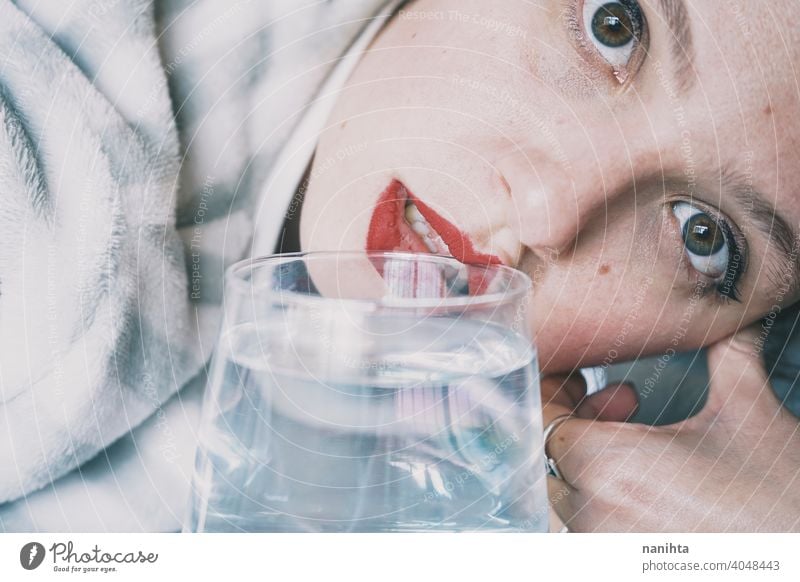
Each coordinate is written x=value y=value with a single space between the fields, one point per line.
x=677 y=17
x=764 y=216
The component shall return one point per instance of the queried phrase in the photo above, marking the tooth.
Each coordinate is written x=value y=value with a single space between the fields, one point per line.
x=409 y=214
x=419 y=225
x=420 y=228
x=413 y=214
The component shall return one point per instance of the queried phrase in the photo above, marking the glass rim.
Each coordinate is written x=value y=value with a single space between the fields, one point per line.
x=519 y=287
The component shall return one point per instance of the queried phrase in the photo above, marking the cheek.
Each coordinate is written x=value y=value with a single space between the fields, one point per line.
x=598 y=323
x=602 y=311
x=614 y=297
x=599 y=332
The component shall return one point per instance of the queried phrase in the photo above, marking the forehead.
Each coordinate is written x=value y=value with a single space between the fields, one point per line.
x=745 y=52
x=745 y=55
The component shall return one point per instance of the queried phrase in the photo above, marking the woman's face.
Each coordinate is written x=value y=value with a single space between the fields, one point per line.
x=639 y=161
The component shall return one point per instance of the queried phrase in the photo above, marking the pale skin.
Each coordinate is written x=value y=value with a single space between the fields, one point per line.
x=584 y=165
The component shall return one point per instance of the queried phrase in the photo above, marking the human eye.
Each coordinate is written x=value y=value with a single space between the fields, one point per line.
x=616 y=32
x=711 y=248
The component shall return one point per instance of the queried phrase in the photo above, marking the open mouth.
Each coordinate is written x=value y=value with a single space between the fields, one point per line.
x=402 y=222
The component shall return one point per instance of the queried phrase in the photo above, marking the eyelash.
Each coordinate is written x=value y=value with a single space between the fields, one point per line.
x=728 y=289
x=574 y=22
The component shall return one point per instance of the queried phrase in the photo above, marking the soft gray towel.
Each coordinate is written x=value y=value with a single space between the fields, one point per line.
x=134 y=139
x=94 y=319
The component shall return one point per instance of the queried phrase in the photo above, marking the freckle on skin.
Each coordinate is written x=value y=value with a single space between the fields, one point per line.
x=768 y=110
x=604 y=269
x=343 y=125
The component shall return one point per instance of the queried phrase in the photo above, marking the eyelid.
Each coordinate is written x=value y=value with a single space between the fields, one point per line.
x=730 y=228
x=574 y=17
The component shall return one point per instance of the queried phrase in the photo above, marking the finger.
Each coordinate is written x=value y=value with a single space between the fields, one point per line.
x=559 y=494
x=616 y=403
x=576 y=444
x=561 y=395
x=739 y=387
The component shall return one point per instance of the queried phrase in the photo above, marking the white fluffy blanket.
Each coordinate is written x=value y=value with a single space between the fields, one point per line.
x=135 y=137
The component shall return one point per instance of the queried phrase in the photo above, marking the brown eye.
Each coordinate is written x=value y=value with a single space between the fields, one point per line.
x=704 y=240
x=615 y=29
x=702 y=236
x=711 y=247
x=612 y=26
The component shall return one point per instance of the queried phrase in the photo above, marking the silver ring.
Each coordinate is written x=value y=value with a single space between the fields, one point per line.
x=550 y=462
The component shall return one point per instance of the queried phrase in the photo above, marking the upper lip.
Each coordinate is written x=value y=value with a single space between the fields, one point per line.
x=458 y=243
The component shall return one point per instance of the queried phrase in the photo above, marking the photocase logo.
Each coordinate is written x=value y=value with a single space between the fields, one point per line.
x=31 y=555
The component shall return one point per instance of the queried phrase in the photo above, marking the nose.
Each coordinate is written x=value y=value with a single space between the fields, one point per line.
x=556 y=190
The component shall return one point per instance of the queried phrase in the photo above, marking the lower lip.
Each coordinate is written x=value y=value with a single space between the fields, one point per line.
x=389 y=230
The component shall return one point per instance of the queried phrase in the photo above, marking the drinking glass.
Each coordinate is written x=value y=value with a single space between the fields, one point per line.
x=371 y=392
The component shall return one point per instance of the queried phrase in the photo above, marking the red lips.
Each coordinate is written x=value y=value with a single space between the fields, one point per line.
x=389 y=230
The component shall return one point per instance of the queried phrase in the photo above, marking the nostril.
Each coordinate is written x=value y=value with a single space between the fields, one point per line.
x=543 y=207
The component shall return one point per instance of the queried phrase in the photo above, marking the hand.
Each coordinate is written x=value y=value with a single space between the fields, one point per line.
x=735 y=466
